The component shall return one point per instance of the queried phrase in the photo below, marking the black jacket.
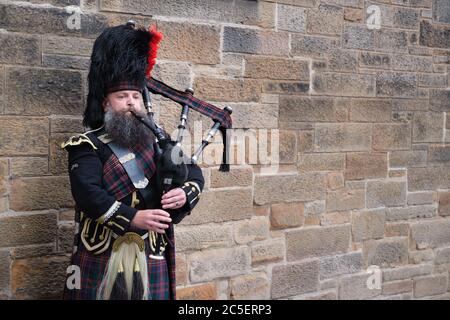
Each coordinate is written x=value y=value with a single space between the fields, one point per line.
x=87 y=156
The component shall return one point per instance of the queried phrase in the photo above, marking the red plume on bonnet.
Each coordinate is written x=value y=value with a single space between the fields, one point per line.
x=153 y=46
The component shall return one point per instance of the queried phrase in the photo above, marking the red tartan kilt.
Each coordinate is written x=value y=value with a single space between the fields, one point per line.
x=92 y=268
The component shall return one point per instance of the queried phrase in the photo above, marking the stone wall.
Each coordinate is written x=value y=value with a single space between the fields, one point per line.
x=358 y=91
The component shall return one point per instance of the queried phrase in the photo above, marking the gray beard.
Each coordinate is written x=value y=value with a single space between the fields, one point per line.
x=126 y=131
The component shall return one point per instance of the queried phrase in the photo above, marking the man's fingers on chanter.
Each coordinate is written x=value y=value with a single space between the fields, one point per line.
x=169 y=194
x=165 y=219
x=174 y=193
x=162 y=213
x=161 y=226
x=158 y=225
x=172 y=199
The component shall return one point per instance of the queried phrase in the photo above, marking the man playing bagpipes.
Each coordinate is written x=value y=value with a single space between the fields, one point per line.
x=129 y=180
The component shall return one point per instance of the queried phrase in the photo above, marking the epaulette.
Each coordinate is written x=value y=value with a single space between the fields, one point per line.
x=78 y=139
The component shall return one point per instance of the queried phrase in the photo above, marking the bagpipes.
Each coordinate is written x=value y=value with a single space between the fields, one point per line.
x=171 y=162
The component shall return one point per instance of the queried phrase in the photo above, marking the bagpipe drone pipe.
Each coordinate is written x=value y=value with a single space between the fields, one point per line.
x=171 y=162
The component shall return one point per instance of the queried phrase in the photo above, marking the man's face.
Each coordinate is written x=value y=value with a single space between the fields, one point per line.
x=120 y=125
x=123 y=102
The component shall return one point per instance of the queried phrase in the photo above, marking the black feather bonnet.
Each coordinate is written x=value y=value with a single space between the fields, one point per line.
x=121 y=59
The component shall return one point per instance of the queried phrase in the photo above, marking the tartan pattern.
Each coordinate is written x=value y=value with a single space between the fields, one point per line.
x=92 y=268
x=183 y=98
x=162 y=274
x=158 y=275
x=145 y=158
x=115 y=178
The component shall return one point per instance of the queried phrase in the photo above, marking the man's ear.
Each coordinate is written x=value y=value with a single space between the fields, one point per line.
x=104 y=104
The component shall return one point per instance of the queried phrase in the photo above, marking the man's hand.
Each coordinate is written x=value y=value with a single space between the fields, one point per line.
x=174 y=199
x=152 y=219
